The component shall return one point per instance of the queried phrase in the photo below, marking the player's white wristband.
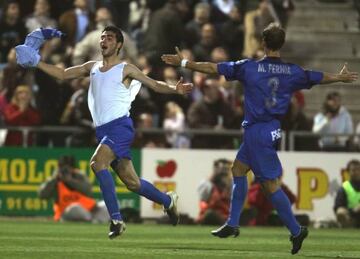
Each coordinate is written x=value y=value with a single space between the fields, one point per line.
x=183 y=62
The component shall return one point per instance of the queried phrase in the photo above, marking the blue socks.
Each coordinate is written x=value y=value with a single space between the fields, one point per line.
x=150 y=192
x=283 y=206
x=239 y=192
x=107 y=187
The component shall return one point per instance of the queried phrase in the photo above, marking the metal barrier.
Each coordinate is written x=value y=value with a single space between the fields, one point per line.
x=292 y=135
x=50 y=129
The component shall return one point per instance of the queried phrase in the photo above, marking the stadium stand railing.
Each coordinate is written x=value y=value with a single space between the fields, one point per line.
x=288 y=139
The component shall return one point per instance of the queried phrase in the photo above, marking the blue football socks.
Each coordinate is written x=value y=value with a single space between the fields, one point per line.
x=150 y=192
x=239 y=192
x=107 y=187
x=283 y=206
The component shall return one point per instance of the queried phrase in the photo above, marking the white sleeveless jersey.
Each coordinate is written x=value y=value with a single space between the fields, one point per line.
x=108 y=97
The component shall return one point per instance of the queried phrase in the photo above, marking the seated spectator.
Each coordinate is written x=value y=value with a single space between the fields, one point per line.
x=20 y=113
x=77 y=113
x=199 y=81
x=51 y=98
x=212 y=112
x=12 y=76
x=12 y=29
x=40 y=18
x=145 y=139
x=356 y=141
x=334 y=119
x=208 y=41
x=3 y=104
x=219 y=54
x=71 y=191
x=347 y=200
x=215 y=194
x=296 y=120
x=175 y=121
x=263 y=208
x=193 y=27
x=187 y=74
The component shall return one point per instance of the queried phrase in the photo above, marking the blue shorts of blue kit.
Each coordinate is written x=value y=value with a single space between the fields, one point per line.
x=118 y=134
x=258 y=150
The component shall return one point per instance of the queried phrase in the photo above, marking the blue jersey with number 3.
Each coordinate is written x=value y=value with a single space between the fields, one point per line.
x=268 y=85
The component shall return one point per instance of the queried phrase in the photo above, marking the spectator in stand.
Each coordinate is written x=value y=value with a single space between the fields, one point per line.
x=141 y=140
x=71 y=191
x=171 y=75
x=12 y=76
x=51 y=98
x=77 y=113
x=356 y=140
x=20 y=113
x=40 y=18
x=202 y=50
x=334 y=119
x=347 y=201
x=232 y=33
x=144 y=103
x=186 y=73
x=296 y=120
x=255 y=22
x=283 y=9
x=165 y=30
x=199 y=83
x=215 y=194
x=12 y=29
x=193 y=27
x=76 y=22
x=88 y=47
x=357 y=7
x=221 y=9
x=212 y=112
x=258 y=201
x=175 y=121
x=219 y=54
x=3 y=104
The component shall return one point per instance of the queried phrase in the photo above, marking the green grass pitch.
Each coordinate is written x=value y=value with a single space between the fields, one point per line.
x=43 y=240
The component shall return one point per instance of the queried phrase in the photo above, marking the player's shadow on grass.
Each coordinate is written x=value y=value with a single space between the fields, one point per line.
x=336 y=256
x=200 y=248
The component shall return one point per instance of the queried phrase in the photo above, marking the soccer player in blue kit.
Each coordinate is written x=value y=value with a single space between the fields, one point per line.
x=114 y=84
x=268 y=86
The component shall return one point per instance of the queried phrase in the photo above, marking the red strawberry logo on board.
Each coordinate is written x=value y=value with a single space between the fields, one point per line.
x=166 y=168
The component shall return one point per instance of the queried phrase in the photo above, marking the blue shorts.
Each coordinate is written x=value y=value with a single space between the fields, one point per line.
x=258 y=150
x=118 y=135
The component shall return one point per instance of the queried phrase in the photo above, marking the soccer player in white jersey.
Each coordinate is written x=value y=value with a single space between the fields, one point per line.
x=113 y=86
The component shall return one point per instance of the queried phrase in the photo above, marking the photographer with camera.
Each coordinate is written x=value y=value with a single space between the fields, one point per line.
x=215 y=194
x=347 y=200
x=71 y=191
x=335 y=119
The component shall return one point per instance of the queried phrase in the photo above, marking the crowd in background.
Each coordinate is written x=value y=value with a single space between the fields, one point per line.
x=213 y=30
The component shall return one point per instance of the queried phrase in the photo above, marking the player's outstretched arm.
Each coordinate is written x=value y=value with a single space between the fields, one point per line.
x=68 y=73
x=344 y=76
x=178 y=60
x=133 y=72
